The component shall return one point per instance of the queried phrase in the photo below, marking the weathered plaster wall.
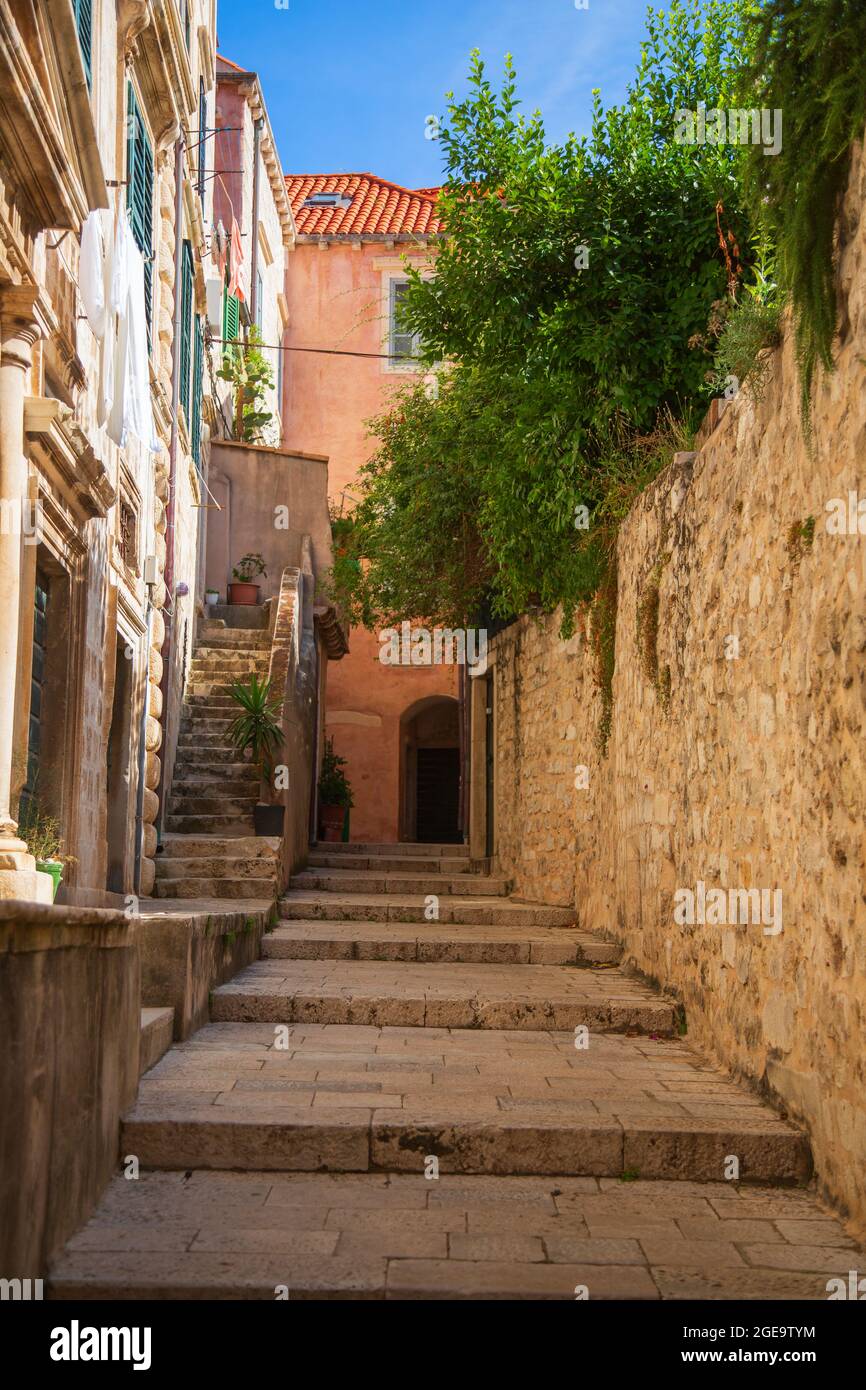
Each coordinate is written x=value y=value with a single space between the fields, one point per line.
x=337 y=299
x=745 y=767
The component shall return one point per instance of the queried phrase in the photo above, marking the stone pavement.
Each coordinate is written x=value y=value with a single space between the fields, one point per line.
x=474 y=1108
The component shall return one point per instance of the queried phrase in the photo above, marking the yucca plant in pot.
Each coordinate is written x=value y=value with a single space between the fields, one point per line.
x=335 y=794
x=257 y=729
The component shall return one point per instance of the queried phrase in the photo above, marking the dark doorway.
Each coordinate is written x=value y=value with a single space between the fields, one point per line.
x=438 y=795
x=119 y=771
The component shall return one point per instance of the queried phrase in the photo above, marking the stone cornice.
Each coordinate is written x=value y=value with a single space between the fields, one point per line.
x=51 y=424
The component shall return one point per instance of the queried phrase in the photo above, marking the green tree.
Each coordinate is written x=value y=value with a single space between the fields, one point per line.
x=572 y=292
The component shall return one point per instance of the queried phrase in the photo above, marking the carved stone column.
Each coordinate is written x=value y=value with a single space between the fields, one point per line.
x=20 y=327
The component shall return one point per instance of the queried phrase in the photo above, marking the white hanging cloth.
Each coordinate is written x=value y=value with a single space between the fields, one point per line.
x=92 y=276
x=131 y=407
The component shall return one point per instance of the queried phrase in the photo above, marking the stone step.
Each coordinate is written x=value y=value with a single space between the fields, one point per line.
x=189 y=784
x=300 y=903
x=211 y=687
x=400 y=863
x=207 y=755
x=157 y=1032
x=430 y=941
x=497 y=1102
x=227 y=847
x=207 y=738
x=209 y=771
x=218 y=704
x=209 y=825
x=212 y=1236
x=411 y=995
x=222 y=867
x=404 y=847
x=200 y=888
x=212 y=805
x=344 y=881
x=256 y=644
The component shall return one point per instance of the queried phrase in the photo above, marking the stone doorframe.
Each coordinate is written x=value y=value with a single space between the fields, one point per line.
x=478 y=837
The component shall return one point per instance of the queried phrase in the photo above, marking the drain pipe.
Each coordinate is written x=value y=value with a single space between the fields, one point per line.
x=165 y=683
x=142 y=752
x=254 y=234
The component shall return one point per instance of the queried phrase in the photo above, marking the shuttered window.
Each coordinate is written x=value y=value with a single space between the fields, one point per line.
x=197 y=368
x=202 y=138
x=84 y=24
x=139 y=192
x=231 y=318
x=186 y=301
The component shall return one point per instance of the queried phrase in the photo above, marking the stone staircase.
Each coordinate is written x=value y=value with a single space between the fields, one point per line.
x=476 y=1104
x=210 y=849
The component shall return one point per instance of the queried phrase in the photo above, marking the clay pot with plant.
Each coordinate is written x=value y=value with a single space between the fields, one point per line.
x=245 y=592
x=41 y=834
x=257 y=729
x=335 y=795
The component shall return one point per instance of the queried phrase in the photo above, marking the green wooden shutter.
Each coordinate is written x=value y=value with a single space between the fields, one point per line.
x=231 y=318
x=187 y=288
x=139 y=192
x=197 y=367
x=84 y=23
x=202 y=140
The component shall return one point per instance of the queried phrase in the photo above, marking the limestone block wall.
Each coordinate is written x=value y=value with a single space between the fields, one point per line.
x=737 y=756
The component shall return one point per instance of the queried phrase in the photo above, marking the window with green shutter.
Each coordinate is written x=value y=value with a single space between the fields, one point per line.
x=197 y=368
x=139 y=192
x=186 y=303
x=84 y=24
x=231 y=318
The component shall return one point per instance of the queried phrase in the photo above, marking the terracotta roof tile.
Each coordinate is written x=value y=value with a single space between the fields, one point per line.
x=377 y=207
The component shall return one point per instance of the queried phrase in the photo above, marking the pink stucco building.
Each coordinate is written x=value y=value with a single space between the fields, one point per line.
x=397 y=726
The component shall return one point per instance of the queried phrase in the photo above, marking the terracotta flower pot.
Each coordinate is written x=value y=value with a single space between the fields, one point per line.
x=244 y=595
x=332 y=819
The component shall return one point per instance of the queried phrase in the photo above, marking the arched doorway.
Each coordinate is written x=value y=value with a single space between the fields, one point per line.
x=430 y=771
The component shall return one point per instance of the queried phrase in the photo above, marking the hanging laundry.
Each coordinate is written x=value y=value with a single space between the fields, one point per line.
x=237 y=283
x=131 y=407
x=93 y=271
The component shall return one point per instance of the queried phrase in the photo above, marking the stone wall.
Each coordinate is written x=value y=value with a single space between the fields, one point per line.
x=68 y=1070
x=736 y=756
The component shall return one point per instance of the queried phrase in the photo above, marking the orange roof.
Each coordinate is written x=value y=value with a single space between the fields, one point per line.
x=377 y=207
x=229 y=64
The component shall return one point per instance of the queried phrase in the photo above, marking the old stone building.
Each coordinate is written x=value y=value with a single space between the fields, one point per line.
x=103 y=116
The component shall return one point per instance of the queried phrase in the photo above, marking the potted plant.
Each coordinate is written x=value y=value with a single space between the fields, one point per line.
x=211 y=596
x=335 y=794
x=244 y=591
x=258 y=729
x=41 y=834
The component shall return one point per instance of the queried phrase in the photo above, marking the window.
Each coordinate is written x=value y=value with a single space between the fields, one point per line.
x=186 y=305
x=139 y=193
x=260 y=302
x=84 y=24
x=231 y=318
x=202 y=138
x=403 y=345
x=327 y=200
x=185 y=16
x=197 y=366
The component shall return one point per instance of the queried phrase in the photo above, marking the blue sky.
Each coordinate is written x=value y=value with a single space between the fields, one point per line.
x=349 y=83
